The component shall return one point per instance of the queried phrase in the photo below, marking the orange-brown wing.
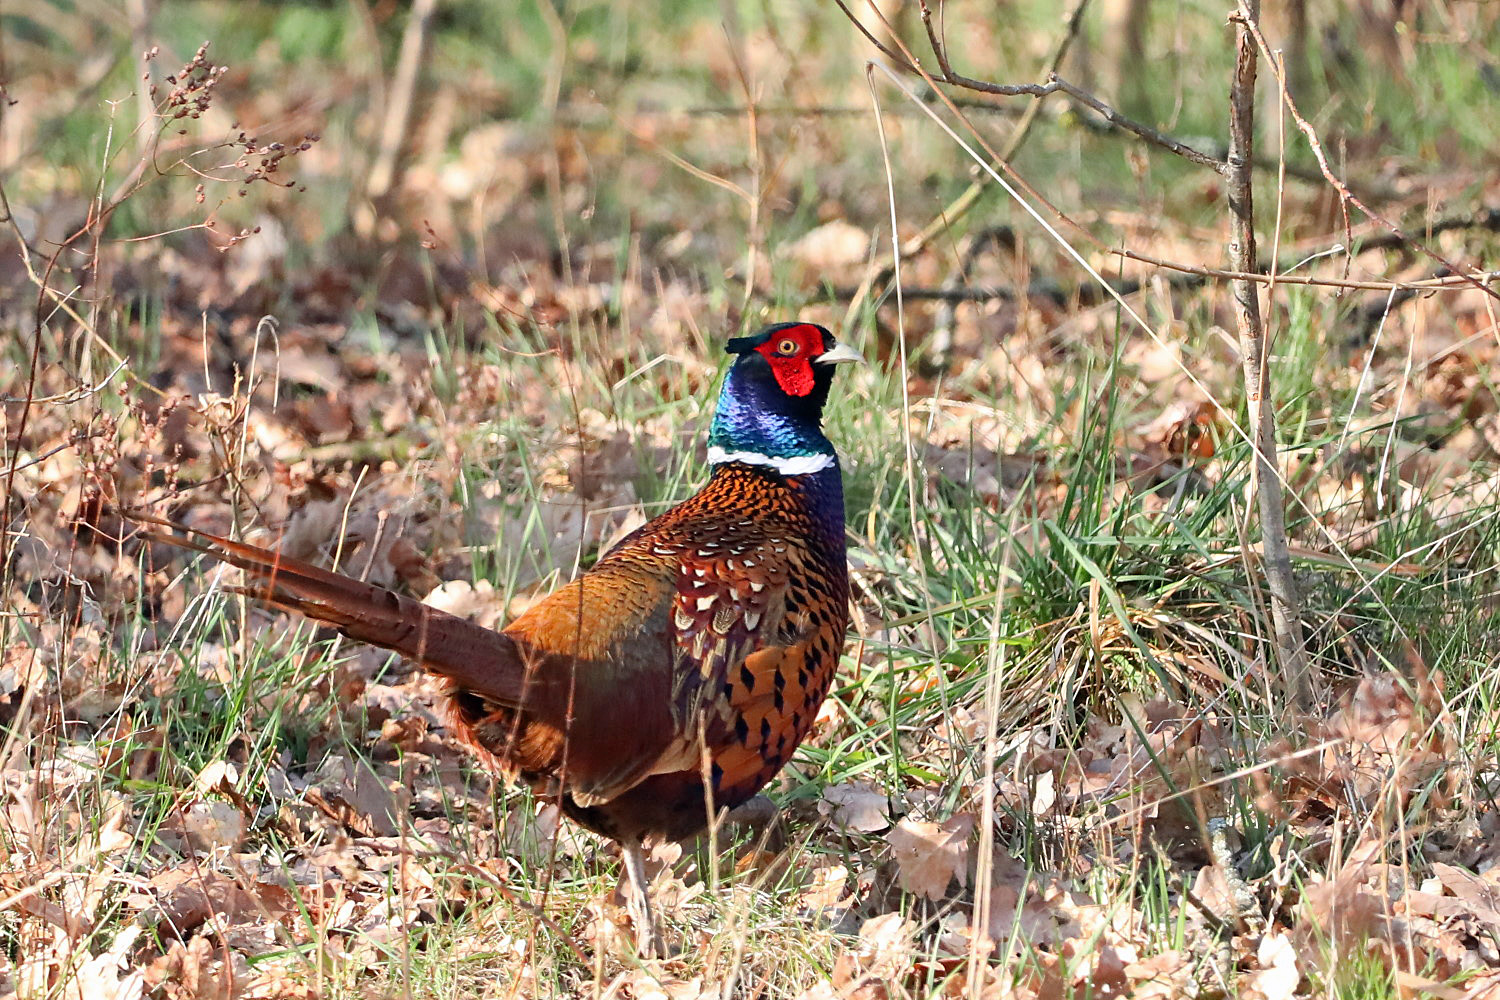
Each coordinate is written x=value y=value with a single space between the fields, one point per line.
x=600 y=652
x=730 y=601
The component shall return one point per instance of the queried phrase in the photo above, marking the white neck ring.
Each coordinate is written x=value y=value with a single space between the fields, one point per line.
x=796 y=465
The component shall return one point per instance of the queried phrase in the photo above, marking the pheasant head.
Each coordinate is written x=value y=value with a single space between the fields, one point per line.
x=771 y=407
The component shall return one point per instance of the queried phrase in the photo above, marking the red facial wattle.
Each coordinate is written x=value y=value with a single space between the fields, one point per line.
x=790 y=353
x=794 y=375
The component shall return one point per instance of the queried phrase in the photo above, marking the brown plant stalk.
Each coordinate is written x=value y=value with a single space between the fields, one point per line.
x=1291 y=652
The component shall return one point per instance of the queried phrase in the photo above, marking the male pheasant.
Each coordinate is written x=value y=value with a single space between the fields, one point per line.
x=698 y=649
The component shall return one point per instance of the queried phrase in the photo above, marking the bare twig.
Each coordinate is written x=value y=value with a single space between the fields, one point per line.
x=793 y=110
x=71 y=442
x=1485 y=219
x=73 y=395
x=585 y=116
x=1187 y=276
x=1135 y=128
x=885 y=50
x=1110 y=119
x=398 y=113
x=960 y=206
x=1231 y=274
x=942 y=333
x=909 y=62
x=1285 y=605
x=1247 y=18
x=1057 y=84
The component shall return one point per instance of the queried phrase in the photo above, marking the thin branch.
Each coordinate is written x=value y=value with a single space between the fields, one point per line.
x=1246 y=17
x=969 y=83
x=397 y=114
x=894 y=57
x=71 y=442
x=1055 y=84
x=907 y=61
x=1003 y=236
x=1188 y=276
x=1111 y=119
x=960 y=206
x=1232 y=274
x=1486 y=219
x=1145 y=132
x=73 y=395
x=591 y=116
x=1285 y=605
x=787 y=111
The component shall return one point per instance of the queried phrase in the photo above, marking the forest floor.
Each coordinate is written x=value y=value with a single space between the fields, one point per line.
x=1060 y=760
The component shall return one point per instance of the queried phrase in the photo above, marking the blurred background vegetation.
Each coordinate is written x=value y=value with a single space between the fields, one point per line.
x=534 y=134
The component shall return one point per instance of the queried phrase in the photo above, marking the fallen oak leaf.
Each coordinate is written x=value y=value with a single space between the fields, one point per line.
x=1278 y=975
x=883 y=957
x=857 y=805
x=1480 y=896
x=930 y=855
x=1411 y=984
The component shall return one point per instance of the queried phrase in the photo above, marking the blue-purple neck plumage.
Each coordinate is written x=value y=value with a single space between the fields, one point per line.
x=771 y=406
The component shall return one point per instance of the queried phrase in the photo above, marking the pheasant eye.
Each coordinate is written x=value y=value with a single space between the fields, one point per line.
x=787 y=346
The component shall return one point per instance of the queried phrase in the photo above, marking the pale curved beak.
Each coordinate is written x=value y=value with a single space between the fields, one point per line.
x=841 y=353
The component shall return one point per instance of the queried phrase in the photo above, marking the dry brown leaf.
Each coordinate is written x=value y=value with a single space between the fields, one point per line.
x=1480 y=896
x=857 y=805
x=187 y=896
x=350 y=792
x=1485 y=986
x=883 y=958
x=1165 y=975
x=1213 y=891
x=830 y=247
x=197 y=971
x=644 y=984
x=211 y=824
x=930 y=855
x=64 y=970
x=1411 y=985
x=1277 y=976
x=304 y=365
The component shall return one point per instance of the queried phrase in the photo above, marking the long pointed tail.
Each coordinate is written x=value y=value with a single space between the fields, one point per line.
x=473 y=657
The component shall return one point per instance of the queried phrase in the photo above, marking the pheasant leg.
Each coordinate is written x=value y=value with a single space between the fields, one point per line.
x=648 y=942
